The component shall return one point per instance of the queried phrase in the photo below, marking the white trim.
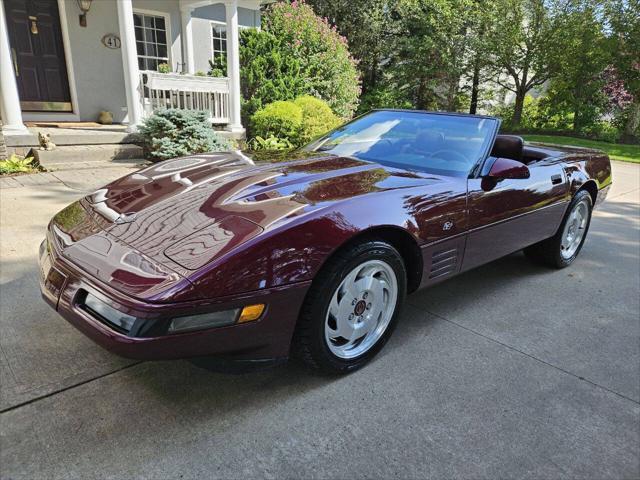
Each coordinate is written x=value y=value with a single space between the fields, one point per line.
x=9 y=101
x=218 y=22
x=130 y=63
x=167 y=23
x=62 y=12
x=74 y=115
x=233 y=66
x=186 y=41
x=248 y=4
x=240 y=27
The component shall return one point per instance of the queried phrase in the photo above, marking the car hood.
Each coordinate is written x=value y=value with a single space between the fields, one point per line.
x=184 y=213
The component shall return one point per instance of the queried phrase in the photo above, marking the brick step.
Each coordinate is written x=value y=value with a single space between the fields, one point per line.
x=85 y=156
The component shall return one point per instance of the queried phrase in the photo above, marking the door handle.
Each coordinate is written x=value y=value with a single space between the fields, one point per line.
x=556 y=179
x=14 y=57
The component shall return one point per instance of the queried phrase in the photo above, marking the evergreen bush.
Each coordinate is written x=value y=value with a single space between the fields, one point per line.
x=175 y=133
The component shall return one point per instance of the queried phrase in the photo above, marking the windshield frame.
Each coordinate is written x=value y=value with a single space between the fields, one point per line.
x=474 y=170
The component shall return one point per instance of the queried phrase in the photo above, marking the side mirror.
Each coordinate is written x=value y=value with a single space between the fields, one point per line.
x=504 y=168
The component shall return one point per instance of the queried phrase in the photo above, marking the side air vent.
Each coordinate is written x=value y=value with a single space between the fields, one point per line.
x=443 y=263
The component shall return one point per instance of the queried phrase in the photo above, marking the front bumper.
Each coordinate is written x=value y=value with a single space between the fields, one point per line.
x=63 y=284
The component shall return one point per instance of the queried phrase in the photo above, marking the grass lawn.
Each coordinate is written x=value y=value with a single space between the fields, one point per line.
x=616 y=151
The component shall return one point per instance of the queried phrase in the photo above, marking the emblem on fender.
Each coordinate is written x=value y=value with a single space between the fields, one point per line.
x=447 y=226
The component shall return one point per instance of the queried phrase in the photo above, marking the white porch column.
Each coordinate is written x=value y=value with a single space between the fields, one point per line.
x=9 y=100
x=187 y=40
x=233 y=66
x=130 y=62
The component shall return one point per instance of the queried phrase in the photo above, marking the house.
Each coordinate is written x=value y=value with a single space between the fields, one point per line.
x=68 y=60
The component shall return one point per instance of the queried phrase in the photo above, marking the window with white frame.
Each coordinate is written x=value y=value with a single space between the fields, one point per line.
x=151 y=40
x=219 y=40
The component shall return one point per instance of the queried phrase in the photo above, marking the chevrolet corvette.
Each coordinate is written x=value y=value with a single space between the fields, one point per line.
x=311 y=254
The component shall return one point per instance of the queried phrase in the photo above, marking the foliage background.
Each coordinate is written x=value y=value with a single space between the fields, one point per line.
x=297 y=53
x=566 y=65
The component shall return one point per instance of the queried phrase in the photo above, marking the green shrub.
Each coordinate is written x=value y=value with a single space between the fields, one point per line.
x=297 y=122
x=218 y=66
x=297 y=53
x=603 y=130
x=270 y=144
x=537 y=115
x=17 y=164
x=175 y=133
x=317 y=118
x=278 y=119
x=164 y=68
x=528 y=118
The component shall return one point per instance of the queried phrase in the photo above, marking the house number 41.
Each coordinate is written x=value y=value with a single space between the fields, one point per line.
x=111 y=40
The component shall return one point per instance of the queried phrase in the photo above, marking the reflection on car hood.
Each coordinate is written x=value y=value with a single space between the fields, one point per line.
x=184 y=200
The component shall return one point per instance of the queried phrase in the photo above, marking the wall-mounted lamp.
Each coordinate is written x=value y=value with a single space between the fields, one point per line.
x=84 y=5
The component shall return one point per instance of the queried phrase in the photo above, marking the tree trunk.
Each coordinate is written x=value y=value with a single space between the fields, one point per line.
x=421 y=94
x=452 y=92
x=632 y=128
x=577 y=119
x=517 y=109
x=475 y=90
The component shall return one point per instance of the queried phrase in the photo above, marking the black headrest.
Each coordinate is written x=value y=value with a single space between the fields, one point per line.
x=508 y=146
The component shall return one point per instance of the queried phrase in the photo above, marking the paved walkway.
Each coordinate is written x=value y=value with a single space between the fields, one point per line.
x=79 y=176
x=510 y=370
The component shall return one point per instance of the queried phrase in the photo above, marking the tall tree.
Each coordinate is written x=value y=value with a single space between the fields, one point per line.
x=523 y=39
x=579 y=79
x=433 y=50
x=624 y=17
x=479 y=49
x=412 y=51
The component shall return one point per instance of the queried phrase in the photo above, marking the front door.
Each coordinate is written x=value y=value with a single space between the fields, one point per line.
x=509 y=215
x=38 y=55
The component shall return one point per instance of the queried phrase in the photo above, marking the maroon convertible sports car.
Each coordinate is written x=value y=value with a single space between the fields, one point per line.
x=213 y=256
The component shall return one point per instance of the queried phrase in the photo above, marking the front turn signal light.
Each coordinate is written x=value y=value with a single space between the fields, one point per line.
x=251 y=313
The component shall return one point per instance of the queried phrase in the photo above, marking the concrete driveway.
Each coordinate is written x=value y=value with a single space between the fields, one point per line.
x=510 y=370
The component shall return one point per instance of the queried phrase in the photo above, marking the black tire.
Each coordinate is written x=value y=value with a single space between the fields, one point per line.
x=549 y=252
x=309 y=343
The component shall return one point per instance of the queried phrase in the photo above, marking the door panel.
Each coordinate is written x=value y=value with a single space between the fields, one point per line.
x=36 y=41
x=508 y=215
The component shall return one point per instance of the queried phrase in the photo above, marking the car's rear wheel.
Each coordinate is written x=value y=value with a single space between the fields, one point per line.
x=562 y=249
x=351 y=308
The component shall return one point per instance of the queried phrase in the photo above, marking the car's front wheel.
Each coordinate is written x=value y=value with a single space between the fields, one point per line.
x=562 y=249
x=351 y=308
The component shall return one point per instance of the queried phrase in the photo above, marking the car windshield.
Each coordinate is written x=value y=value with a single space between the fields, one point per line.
x=430 y=142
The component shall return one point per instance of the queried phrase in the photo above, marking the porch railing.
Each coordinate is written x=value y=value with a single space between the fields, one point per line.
x=189 y=92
